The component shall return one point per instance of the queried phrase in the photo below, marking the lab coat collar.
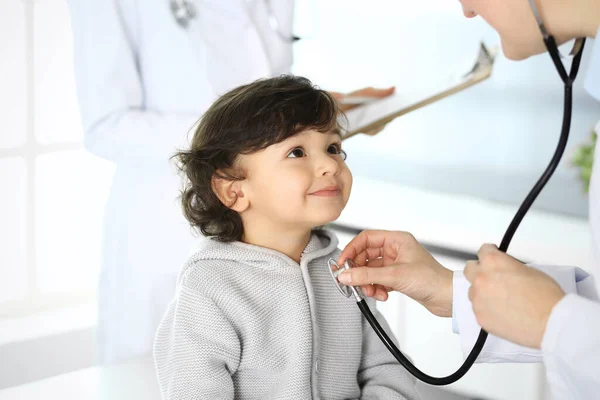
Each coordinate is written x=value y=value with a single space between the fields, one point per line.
x=592 y=79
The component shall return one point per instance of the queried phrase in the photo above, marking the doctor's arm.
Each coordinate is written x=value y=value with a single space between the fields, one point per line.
x=530 y=295
x=196 y=350
x=117 y=124
x=380 y=376
x=554 y=309
x=513 y=301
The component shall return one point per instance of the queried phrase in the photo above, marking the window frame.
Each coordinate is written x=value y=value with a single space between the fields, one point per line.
x=34 y=300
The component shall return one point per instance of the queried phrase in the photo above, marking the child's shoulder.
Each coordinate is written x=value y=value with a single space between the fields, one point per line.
x=207 y=268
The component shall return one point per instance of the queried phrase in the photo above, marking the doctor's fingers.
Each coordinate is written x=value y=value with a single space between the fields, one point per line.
x=375 y=263
x=382 y=262
x=386 y=276
x=373 y=92
x=491 y=258
x=367 y=255
x=361 y=242
x=483 y=282
x=489 y=254
x=472 y=269
x=371 y=239
x=375 y=131
x=376 y=291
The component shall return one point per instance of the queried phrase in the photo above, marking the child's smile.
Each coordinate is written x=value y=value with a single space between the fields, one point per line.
x=329 y=191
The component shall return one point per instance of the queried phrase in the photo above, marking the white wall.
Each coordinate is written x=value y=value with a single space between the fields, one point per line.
x=506 y=128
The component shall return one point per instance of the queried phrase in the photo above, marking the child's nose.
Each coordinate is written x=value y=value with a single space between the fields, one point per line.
x=326 y=164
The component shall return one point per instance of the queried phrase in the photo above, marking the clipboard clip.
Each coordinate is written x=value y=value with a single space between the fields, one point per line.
x=485 y=59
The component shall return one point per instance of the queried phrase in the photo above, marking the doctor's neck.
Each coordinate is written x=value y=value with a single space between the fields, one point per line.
x=571 y=19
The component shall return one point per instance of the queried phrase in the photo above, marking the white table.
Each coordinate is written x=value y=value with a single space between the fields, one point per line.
x=132 y=380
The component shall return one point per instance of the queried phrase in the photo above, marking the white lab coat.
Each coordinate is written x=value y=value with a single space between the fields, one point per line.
x=571 y=345
x=142 y=82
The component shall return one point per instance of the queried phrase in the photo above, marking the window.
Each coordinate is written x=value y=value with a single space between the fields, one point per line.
x=53 y=190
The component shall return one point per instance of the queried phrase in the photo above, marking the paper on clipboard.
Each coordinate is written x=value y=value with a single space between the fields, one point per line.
x=376 y=114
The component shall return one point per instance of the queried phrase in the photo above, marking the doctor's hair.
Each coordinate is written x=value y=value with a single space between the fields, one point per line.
x=243 y=121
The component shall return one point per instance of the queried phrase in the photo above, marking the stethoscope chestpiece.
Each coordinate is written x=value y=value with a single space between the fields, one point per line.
x=335 y=270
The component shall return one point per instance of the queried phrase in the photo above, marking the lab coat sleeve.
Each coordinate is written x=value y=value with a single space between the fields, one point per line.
x=196 y=350
x=380 y=376
x=571 y=279
x=571 y=348
x=116 y=124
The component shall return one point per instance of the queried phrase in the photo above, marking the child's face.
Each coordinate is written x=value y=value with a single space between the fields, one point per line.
x=302 y=182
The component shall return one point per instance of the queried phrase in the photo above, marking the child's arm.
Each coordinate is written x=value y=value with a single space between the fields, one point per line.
x=196 y=350
x=380 y=376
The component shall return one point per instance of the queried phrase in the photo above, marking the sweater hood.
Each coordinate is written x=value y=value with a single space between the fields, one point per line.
x=322 y=243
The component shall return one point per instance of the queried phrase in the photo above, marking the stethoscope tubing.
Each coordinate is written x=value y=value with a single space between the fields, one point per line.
x=508 y=235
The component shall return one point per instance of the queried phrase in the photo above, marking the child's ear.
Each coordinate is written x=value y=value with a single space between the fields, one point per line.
x=230 y=192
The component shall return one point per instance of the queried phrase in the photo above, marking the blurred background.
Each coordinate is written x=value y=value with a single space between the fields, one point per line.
x=461 y=166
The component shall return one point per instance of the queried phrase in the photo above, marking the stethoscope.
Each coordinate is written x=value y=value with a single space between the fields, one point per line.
x=348 y=291
x=184 y=12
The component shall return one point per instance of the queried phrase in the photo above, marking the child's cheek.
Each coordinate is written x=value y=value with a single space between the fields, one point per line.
x=294 y=186
x=348 y=186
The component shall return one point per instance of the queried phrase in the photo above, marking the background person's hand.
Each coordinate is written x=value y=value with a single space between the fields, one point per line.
x=511 y=300
x=394 y=260
x=366 y=92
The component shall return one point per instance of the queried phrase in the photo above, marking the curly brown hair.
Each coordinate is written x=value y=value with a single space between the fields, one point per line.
x=242 y=121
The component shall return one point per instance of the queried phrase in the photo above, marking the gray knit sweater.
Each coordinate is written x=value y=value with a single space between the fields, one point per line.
x=250 y=323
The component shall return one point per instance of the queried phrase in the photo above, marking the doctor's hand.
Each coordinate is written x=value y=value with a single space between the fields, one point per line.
x=394 y=260
x=510 y=299
x=364 y=92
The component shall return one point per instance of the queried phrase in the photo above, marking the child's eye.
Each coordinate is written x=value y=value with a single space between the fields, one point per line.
x=296 y=153
x=336 y=148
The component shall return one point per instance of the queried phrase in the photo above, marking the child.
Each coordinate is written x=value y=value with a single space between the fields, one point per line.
x=256 y=313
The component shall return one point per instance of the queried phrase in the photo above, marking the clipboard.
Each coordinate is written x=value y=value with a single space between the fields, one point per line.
x=375 y=115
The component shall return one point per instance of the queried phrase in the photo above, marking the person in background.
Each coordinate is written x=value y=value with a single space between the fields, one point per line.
x=530 y=316
x=145 y=71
